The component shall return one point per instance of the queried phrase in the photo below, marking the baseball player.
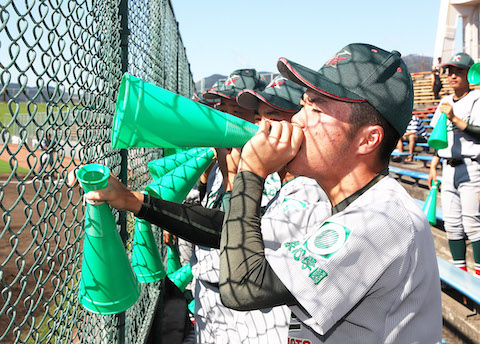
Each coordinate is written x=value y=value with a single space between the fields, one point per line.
x=460 y=166
x=367 y=273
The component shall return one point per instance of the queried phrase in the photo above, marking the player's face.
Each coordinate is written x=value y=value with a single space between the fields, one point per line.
x=325 y=123
x=266 y=112
x=457 y=77
x=230 y=106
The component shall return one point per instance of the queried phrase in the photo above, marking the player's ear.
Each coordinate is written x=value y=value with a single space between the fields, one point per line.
x=370 y=137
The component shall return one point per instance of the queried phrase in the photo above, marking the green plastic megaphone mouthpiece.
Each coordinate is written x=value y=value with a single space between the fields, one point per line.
x=473 y=75
x=438 y=137
x=93 y=177
x=173 y=260
x=430 y=205
x=160 y=167
x=149 y=116
x=175 y=185
x=107 y=284
x=181 y=277
x=191 y=307
x=146 y=261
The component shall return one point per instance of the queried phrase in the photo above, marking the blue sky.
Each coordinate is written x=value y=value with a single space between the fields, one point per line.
x=221 y=36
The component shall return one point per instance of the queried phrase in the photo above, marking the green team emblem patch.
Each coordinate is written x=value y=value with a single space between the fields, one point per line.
x=327 y=240
x=292 y=204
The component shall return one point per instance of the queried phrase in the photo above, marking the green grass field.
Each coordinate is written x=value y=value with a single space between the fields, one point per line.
x=23 y=109
x=5 y=168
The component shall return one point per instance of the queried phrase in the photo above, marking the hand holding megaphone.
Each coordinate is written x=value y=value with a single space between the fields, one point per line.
x=115 y=194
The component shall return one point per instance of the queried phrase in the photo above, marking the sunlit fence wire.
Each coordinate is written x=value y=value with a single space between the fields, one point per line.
x=61 y=65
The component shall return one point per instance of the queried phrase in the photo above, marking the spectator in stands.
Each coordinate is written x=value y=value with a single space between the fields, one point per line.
x=437 y=73
x=415 y=133
x=461 y=162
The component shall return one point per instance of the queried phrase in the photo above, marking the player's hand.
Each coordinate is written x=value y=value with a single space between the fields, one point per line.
x=116 y=194
x=274 y=145
x=432 y=176
x=447 y=109
x=168 y=238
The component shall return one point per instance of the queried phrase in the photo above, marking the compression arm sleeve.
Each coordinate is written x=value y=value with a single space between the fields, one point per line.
x=193 y=223
x=247 y=281
x=473 y=131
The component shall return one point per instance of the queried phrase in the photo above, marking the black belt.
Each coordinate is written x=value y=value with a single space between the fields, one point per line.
x=455 y=162
x=213 y=284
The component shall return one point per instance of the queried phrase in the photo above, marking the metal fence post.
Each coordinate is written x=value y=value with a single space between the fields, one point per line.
x=124 y=35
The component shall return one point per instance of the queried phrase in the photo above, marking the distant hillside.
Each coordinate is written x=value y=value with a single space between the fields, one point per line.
x=415 y=64
x=207 y=83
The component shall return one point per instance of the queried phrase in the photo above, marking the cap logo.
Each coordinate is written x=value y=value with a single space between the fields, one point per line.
x=277 y=82
x=232 y=79
x=338 y=58
x=457 y=58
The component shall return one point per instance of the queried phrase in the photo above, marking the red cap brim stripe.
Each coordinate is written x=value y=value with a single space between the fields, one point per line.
x=218 y=94
x=309 y=85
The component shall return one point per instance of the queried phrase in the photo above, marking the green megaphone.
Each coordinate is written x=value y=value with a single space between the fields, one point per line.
x=473 y=75
x=430 y=205
x=149 y=116
x=191 y=306
x=146 y=261
x=176 y=184
x=108 y=284
x=438 y=137
x=181 y=277
x=173 y=260
x=160 y=167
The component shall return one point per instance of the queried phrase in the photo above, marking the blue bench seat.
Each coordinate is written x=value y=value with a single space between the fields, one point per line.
x=414 y=174
x=460 y=280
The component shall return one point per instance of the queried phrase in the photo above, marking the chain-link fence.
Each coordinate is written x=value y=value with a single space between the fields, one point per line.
x=61 y=65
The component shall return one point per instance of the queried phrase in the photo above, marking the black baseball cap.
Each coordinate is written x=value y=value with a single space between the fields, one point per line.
x=236 y=82
x=361 y=72
x=280 y=93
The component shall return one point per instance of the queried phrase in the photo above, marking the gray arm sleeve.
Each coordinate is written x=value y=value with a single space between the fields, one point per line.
x=193 y=223
x=247 y=281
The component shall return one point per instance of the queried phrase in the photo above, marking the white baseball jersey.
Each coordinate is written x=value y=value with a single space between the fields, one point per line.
x=283 y=220
x=461 y=145
x=214 y=323
x=367 y=274
x=217 y=324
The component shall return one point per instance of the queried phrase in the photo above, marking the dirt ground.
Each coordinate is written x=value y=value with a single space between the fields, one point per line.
x=40 y=239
